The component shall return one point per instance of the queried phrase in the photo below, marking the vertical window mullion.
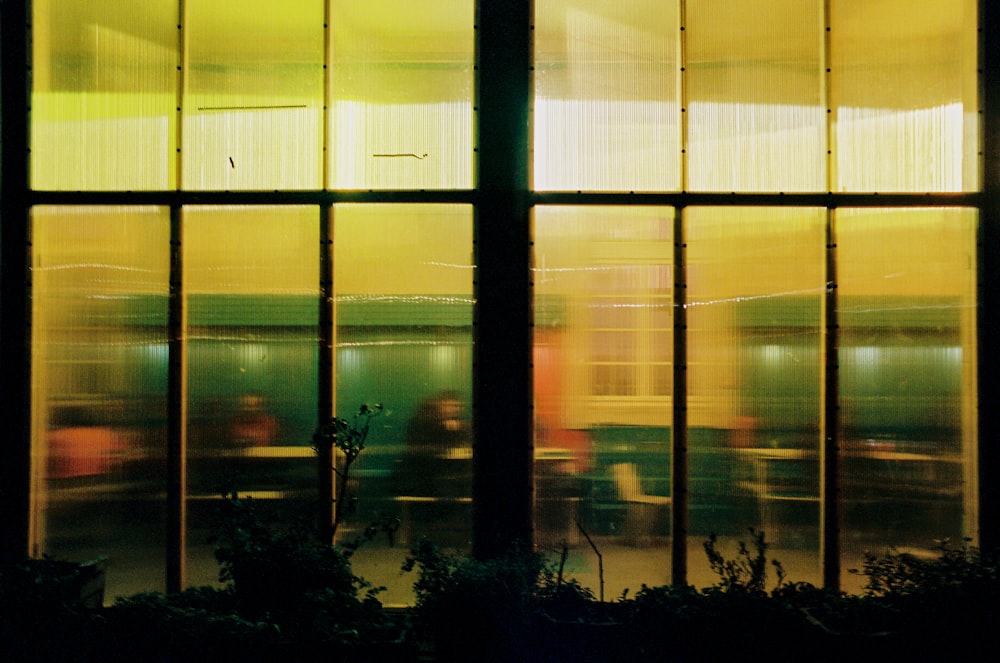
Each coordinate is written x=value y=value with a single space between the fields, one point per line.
x=988 y=358
x=176 y=544
x=326 y=387
x=176 y=409
x=830 y=477
x=502 y=354
x=679 y=465
x=829 y=472
x=15 y=501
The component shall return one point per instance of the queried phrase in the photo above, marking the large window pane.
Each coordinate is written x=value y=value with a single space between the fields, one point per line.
x=606 y=110
x=755 y=292
x=904 y=93
x=251 y=280
x=401 y=85
x=603 y=388
x=99 y=356
x=253 y=103
x=104 y=94
x=403 y=286
x=906 y=285
x=755 y=108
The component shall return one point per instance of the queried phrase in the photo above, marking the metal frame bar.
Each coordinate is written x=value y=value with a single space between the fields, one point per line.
x=503 y=459
x=15 y=294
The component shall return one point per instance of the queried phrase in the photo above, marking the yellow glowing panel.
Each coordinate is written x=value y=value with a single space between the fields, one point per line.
x=756 y=287
x=755 y=280
x=908 y=381
x=603 y=286
x=603 y=379
x=100 y=284
x=253 y=105
x=403 y=249
x=755 y=108
x=402 y=88
x=606 y=108
x=904 y=94
x=252 y=249
x=104 y=94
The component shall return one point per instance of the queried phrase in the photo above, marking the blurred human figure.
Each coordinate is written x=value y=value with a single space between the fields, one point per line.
x=439 y=426
x=438 y=439
x=252 y=425
x=79 y=446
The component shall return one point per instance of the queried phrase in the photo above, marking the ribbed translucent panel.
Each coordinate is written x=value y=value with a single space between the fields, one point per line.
x=907 y=315
x=251 y=283
x=754 y=96
x=253 y=102
x=606 y=102
x=401 y=94
x=603 y=378
x=904 y=94
x=100 y=280
x=755 y=289
x=104 y=94
x=403 y=287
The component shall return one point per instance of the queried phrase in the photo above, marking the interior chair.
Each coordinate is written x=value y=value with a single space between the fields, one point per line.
x=642 y=511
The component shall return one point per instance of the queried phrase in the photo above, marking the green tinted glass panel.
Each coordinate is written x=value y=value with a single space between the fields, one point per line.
x=403 y=293
x=603 y=369
x=755 y=290
x=907 y=356
x=251 y=283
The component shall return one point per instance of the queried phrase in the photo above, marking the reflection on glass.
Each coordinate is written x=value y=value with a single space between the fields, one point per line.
x=755 y=293
x=904 y=93
x=403 y=289
x=251 y=280
x=253 y=103
x=402 y=87
x=906 y=287
x=753 y=79
x=100 y=283
x=606 y=104
x=104 y=93
x=603 y=353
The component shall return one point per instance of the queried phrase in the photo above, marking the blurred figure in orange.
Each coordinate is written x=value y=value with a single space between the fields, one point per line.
x=79 y=446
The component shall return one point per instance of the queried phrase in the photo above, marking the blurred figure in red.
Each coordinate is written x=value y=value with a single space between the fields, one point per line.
x=252 y=426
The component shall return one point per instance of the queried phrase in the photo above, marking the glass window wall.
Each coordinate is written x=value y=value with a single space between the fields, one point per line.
x=251 y=285
x=99 y=409
x=603 y=349
x=403 y=296
x=904 y=95
x=253 y=94
x=907 y=312
x=104 y=95
x=606 y=106
x=401 y=87
x=755 y=290
x=754 y=96
x=277 y=101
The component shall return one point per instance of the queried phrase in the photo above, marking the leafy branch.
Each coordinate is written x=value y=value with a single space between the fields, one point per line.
x=349 y=438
